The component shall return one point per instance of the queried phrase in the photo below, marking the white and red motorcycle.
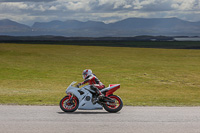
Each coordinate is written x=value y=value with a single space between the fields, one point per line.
x=83 y=98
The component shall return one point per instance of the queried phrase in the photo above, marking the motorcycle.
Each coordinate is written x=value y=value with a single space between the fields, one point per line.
x=84 y=99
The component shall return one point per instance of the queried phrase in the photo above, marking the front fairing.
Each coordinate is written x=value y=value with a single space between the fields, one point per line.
x=70 y=88
x=83 y=94
x=76 y=91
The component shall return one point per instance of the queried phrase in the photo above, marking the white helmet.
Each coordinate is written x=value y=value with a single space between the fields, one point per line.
x=86 y=73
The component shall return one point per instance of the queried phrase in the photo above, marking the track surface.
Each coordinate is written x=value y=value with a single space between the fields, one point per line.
x=50 y=119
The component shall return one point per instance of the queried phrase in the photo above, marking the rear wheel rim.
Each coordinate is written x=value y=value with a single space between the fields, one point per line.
x=114 y=105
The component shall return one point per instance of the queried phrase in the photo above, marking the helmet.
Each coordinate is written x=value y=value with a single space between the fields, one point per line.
x=86 y=73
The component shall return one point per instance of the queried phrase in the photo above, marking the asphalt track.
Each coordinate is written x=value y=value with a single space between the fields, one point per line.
x=50 y=119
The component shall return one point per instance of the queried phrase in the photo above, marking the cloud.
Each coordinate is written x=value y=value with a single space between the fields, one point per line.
x=26 y=0
x=101 y=10
x=112 y=5
x=74 y=5
x=12 y=7
x=186 y=4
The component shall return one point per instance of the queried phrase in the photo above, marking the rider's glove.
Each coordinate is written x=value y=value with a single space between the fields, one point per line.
x=79 y=84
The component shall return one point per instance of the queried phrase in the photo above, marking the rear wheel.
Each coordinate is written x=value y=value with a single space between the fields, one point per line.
x=68 y=105
x=115 y=106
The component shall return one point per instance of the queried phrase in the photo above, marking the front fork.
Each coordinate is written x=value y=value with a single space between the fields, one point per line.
x=71 y=95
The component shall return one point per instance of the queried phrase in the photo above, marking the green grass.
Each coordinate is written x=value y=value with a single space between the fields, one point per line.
x=38 y=74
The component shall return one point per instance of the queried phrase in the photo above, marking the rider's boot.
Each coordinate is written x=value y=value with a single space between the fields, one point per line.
x=99 y=98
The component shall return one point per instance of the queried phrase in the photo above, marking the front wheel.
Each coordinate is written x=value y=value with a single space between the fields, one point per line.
x=68 y=105
x=115 y=106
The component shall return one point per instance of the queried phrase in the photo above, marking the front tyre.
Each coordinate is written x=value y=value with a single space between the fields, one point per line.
x=69 y=106
x=113 y=107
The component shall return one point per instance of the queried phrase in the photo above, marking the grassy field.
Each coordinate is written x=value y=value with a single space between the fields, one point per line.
x=38 y=74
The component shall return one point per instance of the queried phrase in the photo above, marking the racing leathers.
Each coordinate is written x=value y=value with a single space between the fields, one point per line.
x=95 y=83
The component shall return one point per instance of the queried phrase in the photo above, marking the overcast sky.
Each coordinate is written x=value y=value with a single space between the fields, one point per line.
x=29 y=11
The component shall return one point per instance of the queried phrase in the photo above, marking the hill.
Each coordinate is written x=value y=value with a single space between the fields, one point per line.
x=125 y=28
x=9 y=27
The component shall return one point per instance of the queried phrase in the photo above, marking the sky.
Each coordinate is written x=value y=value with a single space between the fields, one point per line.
x=108 y=11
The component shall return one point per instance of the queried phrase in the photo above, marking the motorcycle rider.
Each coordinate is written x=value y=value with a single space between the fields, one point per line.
x=95 y=83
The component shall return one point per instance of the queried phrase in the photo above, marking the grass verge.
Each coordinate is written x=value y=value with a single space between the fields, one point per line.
x=37 y=74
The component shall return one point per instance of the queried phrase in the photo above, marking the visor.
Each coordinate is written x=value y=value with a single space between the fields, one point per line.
x=84 y=73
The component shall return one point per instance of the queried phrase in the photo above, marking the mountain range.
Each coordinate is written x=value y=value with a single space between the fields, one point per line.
x=124 y=28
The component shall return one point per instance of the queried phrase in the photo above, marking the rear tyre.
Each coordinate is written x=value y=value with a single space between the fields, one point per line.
x=113 y=107
x=69 y=106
